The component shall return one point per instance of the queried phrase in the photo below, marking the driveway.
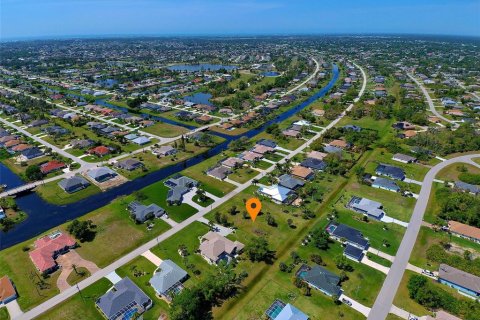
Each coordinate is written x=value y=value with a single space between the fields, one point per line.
x=13 y=309
x=375 y=265
x=152 y=257
x=67 y=261
x=356 y=305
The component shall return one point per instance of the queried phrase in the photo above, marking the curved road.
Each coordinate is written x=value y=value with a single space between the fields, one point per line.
x=429 y=100
x=59 y=298
x=384 y=300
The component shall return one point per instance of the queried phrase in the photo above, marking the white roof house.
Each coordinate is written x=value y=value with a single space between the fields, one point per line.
x=276 y=193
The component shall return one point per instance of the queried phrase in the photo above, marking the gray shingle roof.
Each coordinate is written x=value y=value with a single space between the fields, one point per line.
x=143 y=212
x=73 y=183
x=322 y=279
x=167 y=275
x=290 y=182
x=125 y=293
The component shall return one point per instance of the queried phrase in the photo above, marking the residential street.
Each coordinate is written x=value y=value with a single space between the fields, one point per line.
x=384 y=300
x=59 y=298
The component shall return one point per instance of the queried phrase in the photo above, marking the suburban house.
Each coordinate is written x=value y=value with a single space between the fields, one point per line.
x=7 y=290
x=73 y=184
x=129 y=164
x=81 y=143
x=320 y=279
x=367 y=207
x=48 y=248
x=404 y=158
x=232 y=162
x=314 y=164
x=281 y=311
x=462 y=281
x=141 y=213
x=277 y=193
x=464 y=231
x=316 y=155
x=289 y=182
x=51 y=166
x=302 y=172
x=141 y=141
x=123 y=300
x=467 y=187
x=167 y=279
x=215 y=248
x=31 y=153
x=390 y=171
x=179 y=185
x=268 y=143
x=164 y=151
x=346 y=234
x=101 y=174
x=385 y=184
x=99 y=151
x=219 y=172
x=353 y=253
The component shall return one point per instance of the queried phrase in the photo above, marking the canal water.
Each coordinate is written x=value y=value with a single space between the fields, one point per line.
x=43 y=215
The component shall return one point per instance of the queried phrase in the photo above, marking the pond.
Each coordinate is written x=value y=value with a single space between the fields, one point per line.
x=200 y=98
x=271 y=74
x=200 y=67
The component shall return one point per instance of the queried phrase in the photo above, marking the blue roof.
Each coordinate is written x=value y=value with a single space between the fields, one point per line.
x=390 y=171
x=289 y=312
x=353 y=252
x=385 y=183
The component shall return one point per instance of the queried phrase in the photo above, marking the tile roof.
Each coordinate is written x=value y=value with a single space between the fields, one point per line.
x=214 y=245
x=46 y=247
x=7 y=290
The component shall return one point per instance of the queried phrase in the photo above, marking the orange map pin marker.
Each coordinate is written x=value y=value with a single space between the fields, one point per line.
x=253 y=206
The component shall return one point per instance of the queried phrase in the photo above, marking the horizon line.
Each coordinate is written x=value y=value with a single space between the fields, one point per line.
x=219 y=35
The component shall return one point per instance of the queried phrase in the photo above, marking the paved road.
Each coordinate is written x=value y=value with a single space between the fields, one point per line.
x=429 y=100
x=384 y=300
x=59 y=298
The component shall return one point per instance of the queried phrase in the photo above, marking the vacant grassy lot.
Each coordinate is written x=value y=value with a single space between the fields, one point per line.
x=243 y=174
x=80 y=306
x=452 y=172
x=428 y=237
x=165 y=130
x=52 y=193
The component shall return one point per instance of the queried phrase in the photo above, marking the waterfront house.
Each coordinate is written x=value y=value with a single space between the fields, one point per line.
x=101 y=174
x=73 y=184
x=48 y=248
x=129 y=164
x=164 y=151
x=179 y=185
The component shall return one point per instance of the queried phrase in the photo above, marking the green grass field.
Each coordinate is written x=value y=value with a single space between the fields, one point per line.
x=52 y=192
x=165 y=130
x=80 y=306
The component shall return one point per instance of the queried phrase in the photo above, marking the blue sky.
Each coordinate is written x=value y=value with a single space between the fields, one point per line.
x=50 y=18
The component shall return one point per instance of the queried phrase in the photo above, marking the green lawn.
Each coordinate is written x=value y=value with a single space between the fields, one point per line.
x=205 y=203
x=52 y=193
x=140 y=271
x=157 y=193
x=4 y=314
x=80 y=306
x=379 y=260
x=189 y=237
x=395 y=205
x=165 y=130
x=414 y=171
x=263 y=164
x=79 y=275
x=452 y=172
x=211 y=185
x=243 y=174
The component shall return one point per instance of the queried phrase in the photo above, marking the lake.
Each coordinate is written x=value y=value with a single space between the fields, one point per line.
x=271 y=74
x=200 y=67
x=199 y=98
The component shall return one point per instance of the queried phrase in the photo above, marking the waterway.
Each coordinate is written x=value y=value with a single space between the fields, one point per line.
x=43 y=215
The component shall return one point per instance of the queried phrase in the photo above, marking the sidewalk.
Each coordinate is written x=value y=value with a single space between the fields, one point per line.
x=375 y=265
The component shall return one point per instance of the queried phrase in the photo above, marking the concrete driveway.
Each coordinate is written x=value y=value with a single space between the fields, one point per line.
x=13 y=309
